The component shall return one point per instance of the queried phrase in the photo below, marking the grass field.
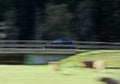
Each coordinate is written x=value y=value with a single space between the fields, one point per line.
x=112 y=58
x=38 y=74
x=69 y=74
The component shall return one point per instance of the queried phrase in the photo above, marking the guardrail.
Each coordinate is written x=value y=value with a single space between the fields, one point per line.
x=40 y=45
x=40 y=51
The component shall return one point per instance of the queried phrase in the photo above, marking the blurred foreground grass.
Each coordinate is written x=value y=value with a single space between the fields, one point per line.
x=38 y=74
x=42 y=74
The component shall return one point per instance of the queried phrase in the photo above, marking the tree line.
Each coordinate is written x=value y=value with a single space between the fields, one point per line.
x=83 y=20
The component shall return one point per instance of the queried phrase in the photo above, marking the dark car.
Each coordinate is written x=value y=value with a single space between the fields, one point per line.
x=61 y=43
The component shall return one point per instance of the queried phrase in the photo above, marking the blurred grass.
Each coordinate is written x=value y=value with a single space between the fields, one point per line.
x=69 y=74
x=112 y=58
x=23 y=74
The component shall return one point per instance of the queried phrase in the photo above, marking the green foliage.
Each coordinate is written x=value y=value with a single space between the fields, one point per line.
x=57 y=21
x=93 y=19
x=5 y=5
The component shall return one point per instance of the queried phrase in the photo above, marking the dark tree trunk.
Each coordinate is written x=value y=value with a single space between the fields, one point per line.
x=85 y=20
x=25 y=19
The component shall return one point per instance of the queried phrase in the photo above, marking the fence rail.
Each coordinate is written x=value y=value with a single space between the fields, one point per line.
x=40 y=46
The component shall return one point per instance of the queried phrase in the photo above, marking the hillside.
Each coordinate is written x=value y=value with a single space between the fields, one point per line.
x=112 y=58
